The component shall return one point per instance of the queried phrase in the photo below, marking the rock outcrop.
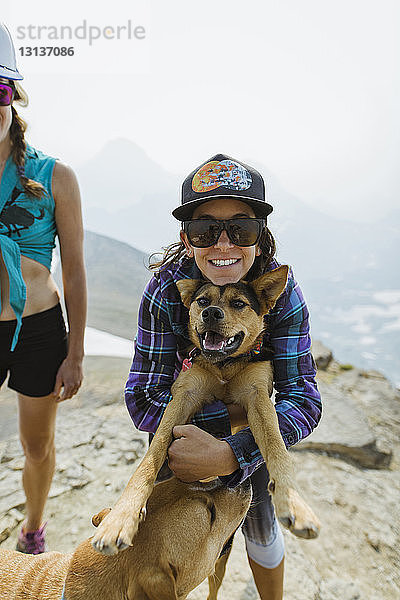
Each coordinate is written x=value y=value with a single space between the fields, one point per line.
x=348 y=470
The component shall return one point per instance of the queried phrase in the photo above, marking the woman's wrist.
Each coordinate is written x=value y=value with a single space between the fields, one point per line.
x=75 y=354
x=228 y=460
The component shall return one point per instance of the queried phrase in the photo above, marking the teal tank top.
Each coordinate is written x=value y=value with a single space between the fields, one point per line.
x=27 y=225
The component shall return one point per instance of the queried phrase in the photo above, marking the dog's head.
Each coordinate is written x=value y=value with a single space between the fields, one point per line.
x=227 y=320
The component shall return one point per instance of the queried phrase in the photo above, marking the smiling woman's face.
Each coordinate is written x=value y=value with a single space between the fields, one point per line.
x=224 y=262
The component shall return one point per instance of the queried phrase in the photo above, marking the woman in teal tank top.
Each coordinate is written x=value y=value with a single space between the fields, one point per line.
x=39 y=200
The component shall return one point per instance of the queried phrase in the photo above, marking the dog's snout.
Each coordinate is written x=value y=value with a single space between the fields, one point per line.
x=211 y=314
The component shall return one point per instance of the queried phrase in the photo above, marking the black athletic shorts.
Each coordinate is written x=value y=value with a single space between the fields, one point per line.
x=40 y=350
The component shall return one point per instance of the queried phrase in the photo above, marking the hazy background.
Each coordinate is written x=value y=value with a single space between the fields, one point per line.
x=306 y=91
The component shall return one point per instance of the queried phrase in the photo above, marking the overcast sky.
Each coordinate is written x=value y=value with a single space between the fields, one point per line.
x=308 y=88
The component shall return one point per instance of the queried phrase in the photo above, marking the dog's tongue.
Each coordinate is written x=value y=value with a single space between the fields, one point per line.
x=213 y=341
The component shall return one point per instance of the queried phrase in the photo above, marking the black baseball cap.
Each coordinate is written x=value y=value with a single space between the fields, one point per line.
x=222 y=177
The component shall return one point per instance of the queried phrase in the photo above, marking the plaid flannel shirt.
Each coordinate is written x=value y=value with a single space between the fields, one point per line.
x=162 y=343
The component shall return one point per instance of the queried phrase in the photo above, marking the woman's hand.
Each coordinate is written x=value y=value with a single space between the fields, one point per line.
x=195 y=454
x=69 y=376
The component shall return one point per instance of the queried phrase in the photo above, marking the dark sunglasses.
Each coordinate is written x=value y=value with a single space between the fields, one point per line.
x=6 y=94
x=203 y=233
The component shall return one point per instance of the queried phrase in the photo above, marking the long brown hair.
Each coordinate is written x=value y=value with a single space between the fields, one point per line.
x=174 y=252
x=18 y=145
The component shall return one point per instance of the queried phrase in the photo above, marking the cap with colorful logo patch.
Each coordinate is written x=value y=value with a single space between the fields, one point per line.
x=223 y=177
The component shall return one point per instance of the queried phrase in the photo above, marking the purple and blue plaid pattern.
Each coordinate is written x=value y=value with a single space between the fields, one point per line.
x=162 y=343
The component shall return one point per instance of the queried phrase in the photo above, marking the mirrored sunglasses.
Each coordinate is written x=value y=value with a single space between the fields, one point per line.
x=203 y=233
x=6 y=94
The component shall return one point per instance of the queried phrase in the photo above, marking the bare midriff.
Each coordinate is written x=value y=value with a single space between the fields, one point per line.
x=41 y=291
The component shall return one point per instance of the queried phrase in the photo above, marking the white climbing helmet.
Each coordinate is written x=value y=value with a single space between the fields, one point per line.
x=8 y=63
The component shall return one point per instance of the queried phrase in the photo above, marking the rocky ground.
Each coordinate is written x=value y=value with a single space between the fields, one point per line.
x=357 y=553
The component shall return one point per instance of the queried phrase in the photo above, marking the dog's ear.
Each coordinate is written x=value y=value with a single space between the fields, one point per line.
x=158 y=583
x=270 y=286
x=97 y=519
x=187 y=288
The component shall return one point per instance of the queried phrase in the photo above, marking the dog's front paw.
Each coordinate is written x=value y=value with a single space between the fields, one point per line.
x=117 y=530
x=295 y=514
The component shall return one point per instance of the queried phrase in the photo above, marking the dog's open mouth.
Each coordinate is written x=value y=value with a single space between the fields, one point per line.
x=213 y=342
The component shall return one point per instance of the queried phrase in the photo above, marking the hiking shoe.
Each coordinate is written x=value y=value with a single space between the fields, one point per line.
x=32 y=542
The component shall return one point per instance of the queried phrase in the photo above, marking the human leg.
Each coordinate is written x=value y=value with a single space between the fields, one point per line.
x=264 y=540
x=33 y=366
x=269 y=582
x=37 y=426
x=41 y=348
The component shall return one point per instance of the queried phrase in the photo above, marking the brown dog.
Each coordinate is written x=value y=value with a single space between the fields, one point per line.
x=175 y=549
x=226 y=324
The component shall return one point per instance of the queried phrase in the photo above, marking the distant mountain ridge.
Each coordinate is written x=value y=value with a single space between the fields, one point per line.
x=127 y=196
x=116 y=278
x=121 y=174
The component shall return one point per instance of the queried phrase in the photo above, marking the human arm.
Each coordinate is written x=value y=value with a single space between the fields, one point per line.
x=156 y=364
x=68 y=218
x=198 y=453
x=194 y=454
